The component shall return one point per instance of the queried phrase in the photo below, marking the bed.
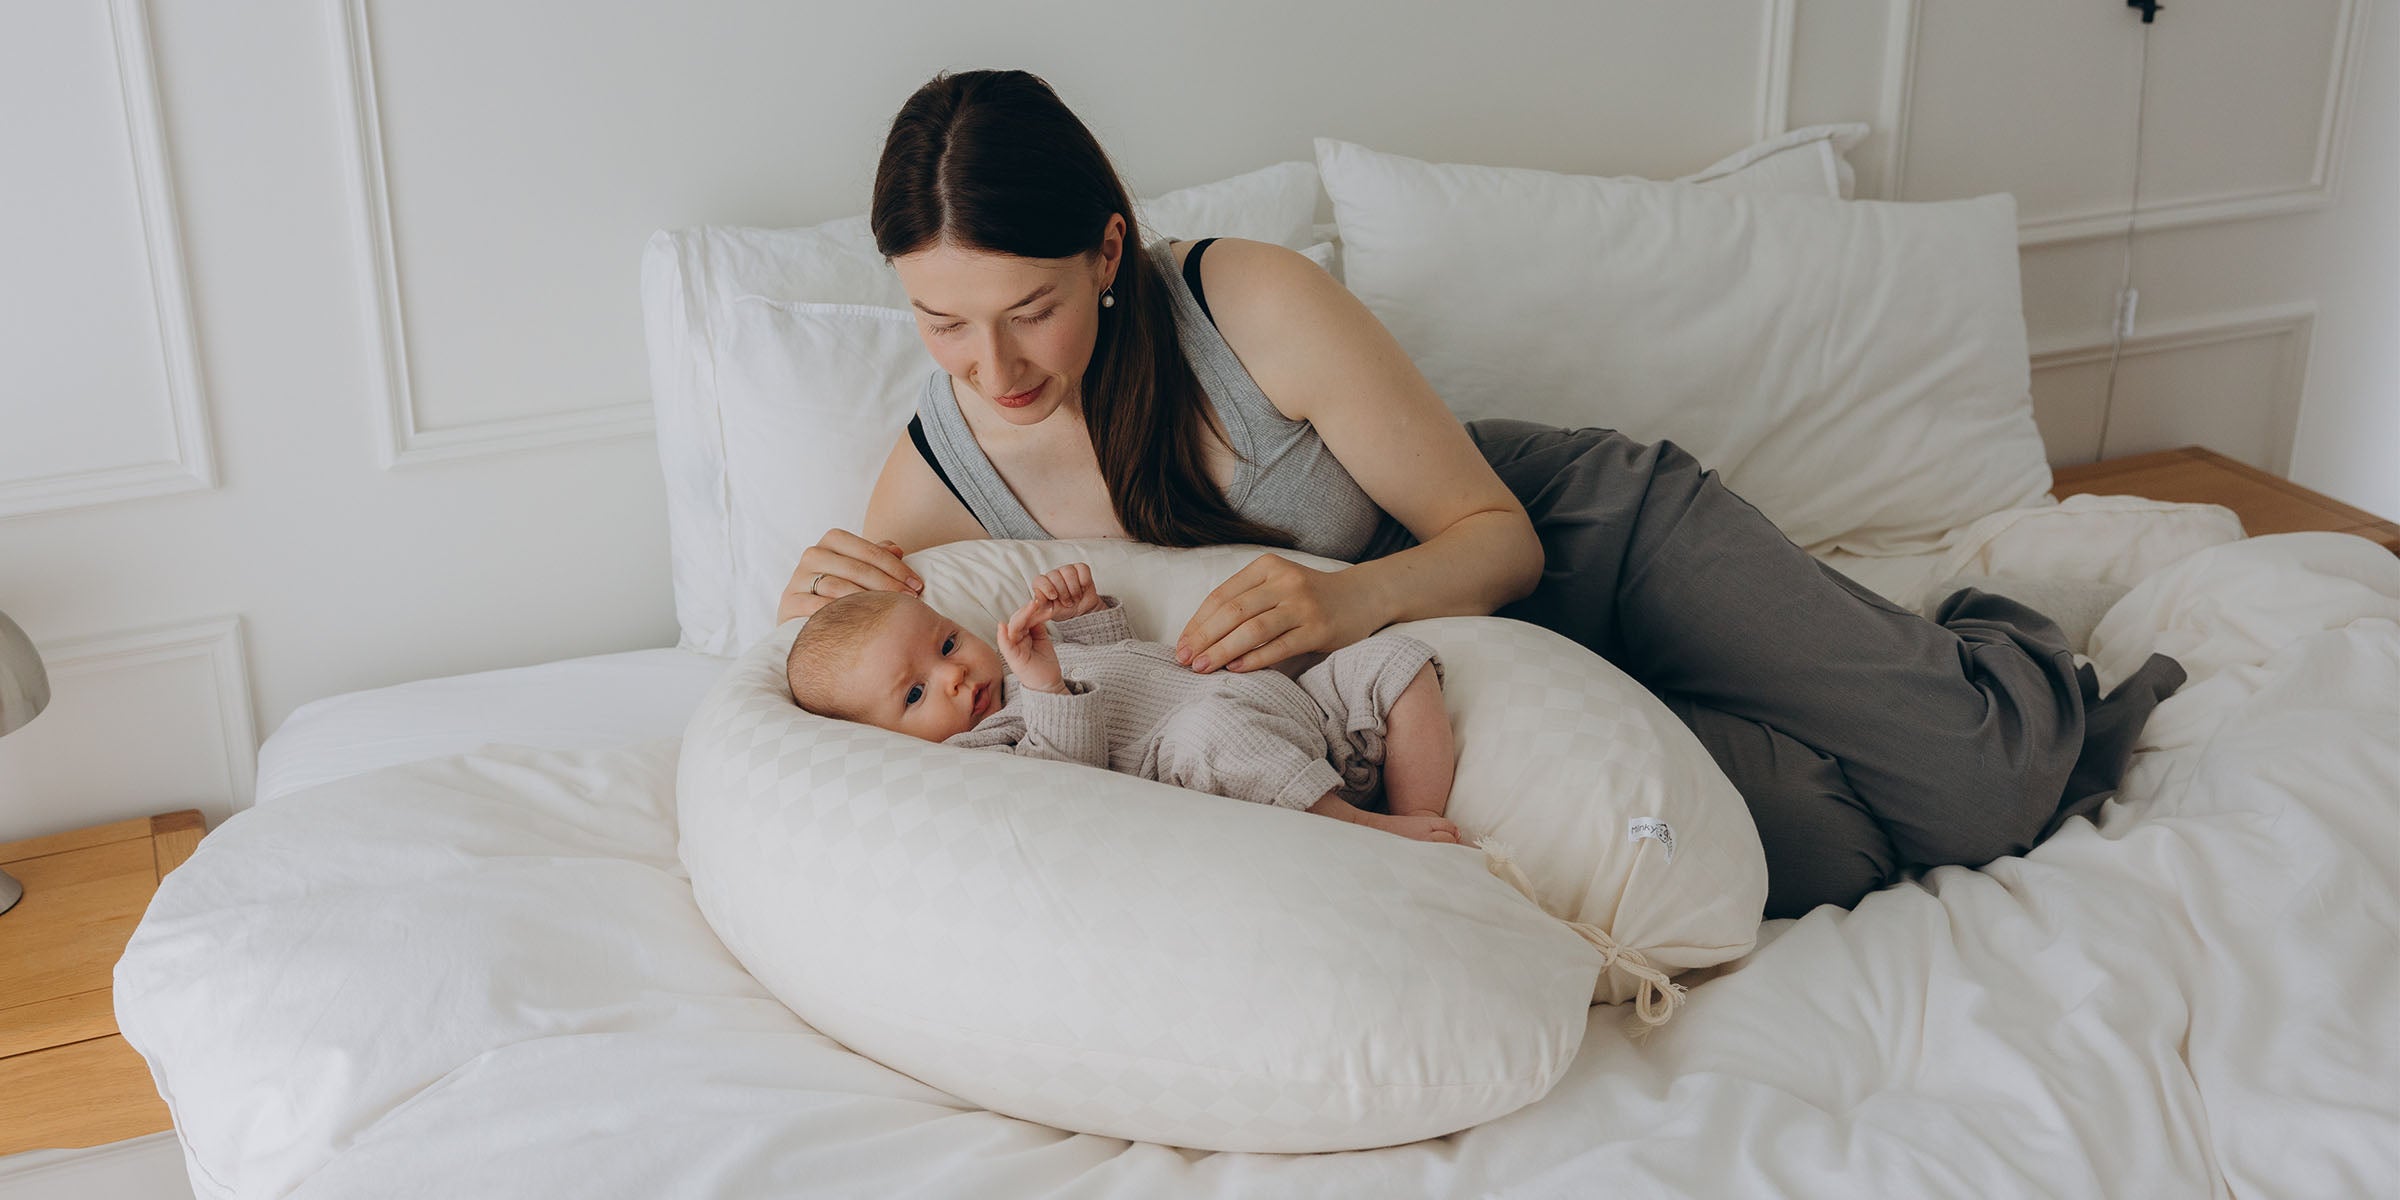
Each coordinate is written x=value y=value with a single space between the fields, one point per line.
x=452 y=949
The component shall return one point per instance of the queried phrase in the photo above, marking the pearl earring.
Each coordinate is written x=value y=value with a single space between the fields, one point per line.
x=1108 y=297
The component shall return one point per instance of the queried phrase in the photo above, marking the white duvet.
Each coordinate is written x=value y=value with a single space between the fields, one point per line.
x=484 y=975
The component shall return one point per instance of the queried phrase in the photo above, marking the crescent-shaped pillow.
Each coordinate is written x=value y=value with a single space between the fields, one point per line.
x=1112 y=955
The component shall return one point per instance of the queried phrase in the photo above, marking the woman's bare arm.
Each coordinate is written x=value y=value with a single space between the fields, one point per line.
x=1321 y=356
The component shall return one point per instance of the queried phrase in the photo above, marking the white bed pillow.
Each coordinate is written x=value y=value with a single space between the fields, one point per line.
x=1806 y=162
x=1856 y=369
x=1272 y=204
x=1809 y=162
x=1111 y=955
x=813 y=397
x=783 y=365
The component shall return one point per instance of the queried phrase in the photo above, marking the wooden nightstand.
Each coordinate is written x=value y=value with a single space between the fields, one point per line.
x=67 y=1079
x=2196 y=476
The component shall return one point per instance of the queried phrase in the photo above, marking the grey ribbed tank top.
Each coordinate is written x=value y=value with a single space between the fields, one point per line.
x=1286 y=478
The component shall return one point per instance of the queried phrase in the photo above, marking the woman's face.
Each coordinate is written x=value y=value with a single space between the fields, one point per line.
x=1016 y=331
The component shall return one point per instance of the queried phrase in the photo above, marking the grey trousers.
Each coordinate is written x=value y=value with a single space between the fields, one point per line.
x=1866 y=739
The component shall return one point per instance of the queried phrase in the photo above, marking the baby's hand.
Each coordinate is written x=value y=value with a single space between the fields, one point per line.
x=1024 y=641
x=1025 y=638
x=1069 y=590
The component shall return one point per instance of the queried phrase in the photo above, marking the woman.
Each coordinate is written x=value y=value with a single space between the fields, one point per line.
x=1092 y=388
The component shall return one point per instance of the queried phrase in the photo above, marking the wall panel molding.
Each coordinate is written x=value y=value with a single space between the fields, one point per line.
x=1899 y=92
x=2295 y=321
x=2318 y=192
x=215 y=640
x=193 y=465
x=1775 y=54
x=400 y=439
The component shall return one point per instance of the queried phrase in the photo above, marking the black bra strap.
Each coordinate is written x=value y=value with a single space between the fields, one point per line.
x=1191 y=276
x=916 y=433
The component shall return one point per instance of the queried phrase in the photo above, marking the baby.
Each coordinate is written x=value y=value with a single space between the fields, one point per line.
x=1367 y=719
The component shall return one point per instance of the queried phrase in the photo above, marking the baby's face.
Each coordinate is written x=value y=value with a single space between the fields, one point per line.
x=922 y=675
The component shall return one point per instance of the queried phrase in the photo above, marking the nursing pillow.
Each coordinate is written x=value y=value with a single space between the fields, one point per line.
x=1112 y=955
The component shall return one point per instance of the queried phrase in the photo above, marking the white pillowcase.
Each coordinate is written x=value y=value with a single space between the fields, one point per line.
x=1856 y=369
x=1272 y=204
x=784 y=364
x=1116 y=956
x=814 y=396
x=1806 y=162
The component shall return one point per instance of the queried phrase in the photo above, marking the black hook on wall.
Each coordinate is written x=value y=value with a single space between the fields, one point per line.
x=2149 y=9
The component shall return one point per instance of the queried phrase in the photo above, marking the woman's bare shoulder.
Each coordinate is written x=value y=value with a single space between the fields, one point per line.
x=912 y=506
x=1284 y=317
x=1234 y=258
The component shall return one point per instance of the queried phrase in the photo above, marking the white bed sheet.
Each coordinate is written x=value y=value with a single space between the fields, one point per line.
x=484 y=974
x=575 y=704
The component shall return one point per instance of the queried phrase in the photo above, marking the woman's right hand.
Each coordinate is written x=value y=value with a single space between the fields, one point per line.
x=840 y=563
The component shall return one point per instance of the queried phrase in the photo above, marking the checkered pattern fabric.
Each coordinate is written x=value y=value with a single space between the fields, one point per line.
x=1112 y=955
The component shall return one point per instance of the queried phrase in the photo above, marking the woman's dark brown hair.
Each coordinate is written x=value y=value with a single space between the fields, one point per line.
x=994 y=161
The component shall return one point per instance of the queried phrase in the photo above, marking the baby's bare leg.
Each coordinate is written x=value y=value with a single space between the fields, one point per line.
x=1424 y=827
x=1417 y=754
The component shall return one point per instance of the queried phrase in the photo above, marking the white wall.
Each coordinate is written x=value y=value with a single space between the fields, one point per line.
x=326 y=370
x=2348 y=443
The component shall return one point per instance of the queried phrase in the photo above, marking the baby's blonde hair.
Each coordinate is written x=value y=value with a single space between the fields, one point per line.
x=827 y=645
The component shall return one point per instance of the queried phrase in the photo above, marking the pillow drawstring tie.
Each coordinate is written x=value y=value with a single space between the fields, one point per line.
x=1658 y=997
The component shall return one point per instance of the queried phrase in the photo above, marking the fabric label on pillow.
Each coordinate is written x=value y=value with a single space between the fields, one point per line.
x=1654 y=829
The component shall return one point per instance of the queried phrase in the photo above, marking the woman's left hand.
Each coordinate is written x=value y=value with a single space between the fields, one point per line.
x=1271 y=610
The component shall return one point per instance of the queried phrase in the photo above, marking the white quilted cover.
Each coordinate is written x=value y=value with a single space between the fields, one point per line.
x=1557 y=751
x=1108 y=954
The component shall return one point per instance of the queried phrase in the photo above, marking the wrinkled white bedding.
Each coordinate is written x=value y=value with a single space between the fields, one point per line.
x=592 y=703
x=484 y=975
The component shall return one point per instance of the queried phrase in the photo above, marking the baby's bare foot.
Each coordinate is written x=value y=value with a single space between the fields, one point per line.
x=1424 y=827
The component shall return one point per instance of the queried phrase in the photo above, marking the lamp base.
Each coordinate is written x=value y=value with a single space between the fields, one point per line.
x=10 y=890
